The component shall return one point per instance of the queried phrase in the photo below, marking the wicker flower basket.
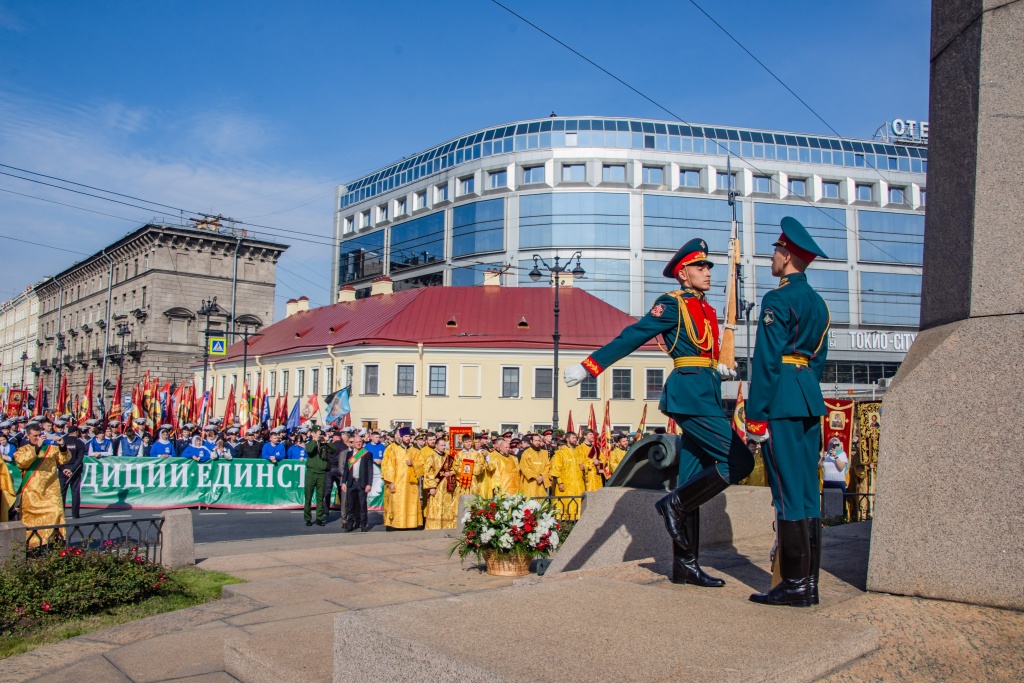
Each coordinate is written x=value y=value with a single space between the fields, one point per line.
x=501 y=564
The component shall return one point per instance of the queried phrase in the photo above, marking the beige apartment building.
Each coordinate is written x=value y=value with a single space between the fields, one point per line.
x=19 y=318
x=133 y=306
x=447 y=356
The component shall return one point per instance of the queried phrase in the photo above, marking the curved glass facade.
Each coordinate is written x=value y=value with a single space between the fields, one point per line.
x=627 y=194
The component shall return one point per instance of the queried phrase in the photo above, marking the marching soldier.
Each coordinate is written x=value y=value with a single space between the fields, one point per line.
x=785 y=408
x=692 y=397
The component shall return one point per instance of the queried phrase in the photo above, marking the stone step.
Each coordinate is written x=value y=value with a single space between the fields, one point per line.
x=294 y=652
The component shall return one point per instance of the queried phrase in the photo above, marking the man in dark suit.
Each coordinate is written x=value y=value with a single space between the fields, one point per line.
x=357 y=481
x=335 y=461
x=70 y=474
x=250 y=448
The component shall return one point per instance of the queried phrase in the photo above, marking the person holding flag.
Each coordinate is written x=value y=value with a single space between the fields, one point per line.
x=688 y=324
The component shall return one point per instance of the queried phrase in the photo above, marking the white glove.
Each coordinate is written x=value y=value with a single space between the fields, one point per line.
x=726 y=372
x=574 y=374
x=758 y=438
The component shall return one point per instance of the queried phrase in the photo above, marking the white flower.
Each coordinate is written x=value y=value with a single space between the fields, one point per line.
x=465 y=517
x=487 y=535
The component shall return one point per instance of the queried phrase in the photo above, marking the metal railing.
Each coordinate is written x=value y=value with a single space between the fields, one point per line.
x=143 y=537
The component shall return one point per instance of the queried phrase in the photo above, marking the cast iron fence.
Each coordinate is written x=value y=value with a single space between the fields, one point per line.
x=565 y=508
x=143 y=537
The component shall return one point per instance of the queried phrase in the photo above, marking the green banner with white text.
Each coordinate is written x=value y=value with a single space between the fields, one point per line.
x=172 y=482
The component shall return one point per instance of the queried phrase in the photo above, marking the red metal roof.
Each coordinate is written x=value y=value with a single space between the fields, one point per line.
x=484 y=317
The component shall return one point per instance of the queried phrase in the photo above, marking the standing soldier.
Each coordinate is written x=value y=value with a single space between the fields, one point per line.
x=692 y=397
x=785 y=408
x=317 y=451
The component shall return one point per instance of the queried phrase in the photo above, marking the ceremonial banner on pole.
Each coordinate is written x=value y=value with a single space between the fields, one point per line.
x=739 y=415
x=569 y=426
x=143 y=482
x=837 y=422
x=16 y=402
x=455 y=435
x=643 y=426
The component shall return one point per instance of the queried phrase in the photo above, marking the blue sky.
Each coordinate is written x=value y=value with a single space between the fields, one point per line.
x=257 y=110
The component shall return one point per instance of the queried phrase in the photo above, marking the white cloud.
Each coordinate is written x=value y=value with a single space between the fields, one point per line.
x=200 y=162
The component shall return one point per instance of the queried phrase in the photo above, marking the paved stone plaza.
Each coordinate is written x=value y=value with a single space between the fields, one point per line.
x=280 y=626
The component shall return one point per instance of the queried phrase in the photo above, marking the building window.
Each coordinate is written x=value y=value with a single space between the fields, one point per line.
x=467 y=185
x=688 y=178
x=762 y=184
x=330 y=379
x=498 y=179
x=371 y=374
x=382 y=212
x=349 y=225
x=510 y=382
x=896 y=196
x=542 y=384
x=797 y=186
x=284 y=382
x=223 y=385
x=478 y=227
x=506 y=427
x=272 y=383
x=300 y=382
x=421 y=200
x=405 y=384
x=864 y=193
x=588 y=388
x=348 y=376
x=435 y=426
x=401 y=206
x=533 y=174
x=923 y=202
x=722 y=180
x=653 y=175
x=438 y=385
x=613 y=173
x=366 y=219
x=655 y=384
x=574 y=173
x=829 y=190
x=441 y=193
x=314 y=375
x=622 y=383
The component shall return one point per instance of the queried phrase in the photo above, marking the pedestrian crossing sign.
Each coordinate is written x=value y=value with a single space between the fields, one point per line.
x=218 y=346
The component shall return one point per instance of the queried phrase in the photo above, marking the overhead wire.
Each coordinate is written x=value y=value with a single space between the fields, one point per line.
x=671 y=113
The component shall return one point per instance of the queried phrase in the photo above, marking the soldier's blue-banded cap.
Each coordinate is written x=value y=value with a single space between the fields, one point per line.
x=798 y=241
x=693 y=252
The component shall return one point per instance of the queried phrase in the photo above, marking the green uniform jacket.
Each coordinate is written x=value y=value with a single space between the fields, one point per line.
x=317 y=452
x=688 y=391
x=794 y=320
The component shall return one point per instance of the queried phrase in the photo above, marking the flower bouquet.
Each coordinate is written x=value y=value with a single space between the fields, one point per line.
x=508 y=531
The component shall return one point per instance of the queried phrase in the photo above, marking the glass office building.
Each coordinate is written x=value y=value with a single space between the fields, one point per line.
x=627 y=193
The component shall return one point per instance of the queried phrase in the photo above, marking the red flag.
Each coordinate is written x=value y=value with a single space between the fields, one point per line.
x=174 y=409
x=115 y=403
x=672 y=428
x=604 y=441
x=569 y=426
x=38 y=408
x=346 y=420
x=62 y=395
x=311 y=409
x=229 y=408
x=592 y=421
x=643 y=425
x=85 y=410
x=739 y=415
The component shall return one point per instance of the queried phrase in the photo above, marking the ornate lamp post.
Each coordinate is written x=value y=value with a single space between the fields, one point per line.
x=556 y=270
x=208 y=308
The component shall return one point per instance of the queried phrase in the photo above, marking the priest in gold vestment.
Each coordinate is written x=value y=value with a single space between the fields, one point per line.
x=400 y=470
x=618 y=452
x=506 y=478
x=534 y=469
x=598 y=461
x=440 y=482
x=570 y=468
x=41 y=502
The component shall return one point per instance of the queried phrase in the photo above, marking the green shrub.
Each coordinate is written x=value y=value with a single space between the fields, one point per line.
x=66 y=582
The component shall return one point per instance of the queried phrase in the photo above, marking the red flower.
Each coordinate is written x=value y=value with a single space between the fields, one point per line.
x=78 y=551
x=527 y=528
x=64 y=553
x=46 y=606
x=470 y=534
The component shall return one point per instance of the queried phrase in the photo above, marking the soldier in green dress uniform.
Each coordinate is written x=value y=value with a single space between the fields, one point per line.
x=711 y=455
x=784 y=411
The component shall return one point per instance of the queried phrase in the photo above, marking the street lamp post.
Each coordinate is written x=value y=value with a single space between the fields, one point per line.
x=24 y=358
x=123 y=331
x=556 y=270
x=208 y=309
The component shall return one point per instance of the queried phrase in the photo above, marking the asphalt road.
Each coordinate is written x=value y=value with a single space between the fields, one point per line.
x=211 y=526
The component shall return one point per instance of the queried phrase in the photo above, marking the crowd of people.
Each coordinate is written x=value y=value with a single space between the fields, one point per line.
x=423 y=473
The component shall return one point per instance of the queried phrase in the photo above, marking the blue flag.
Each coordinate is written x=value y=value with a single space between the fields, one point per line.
x=295 y=417
x=339 y=407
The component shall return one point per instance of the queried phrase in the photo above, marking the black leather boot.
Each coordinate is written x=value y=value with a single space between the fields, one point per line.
x=685 y=568
x=814 y=537
x=695 y=491
x=795 y=567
